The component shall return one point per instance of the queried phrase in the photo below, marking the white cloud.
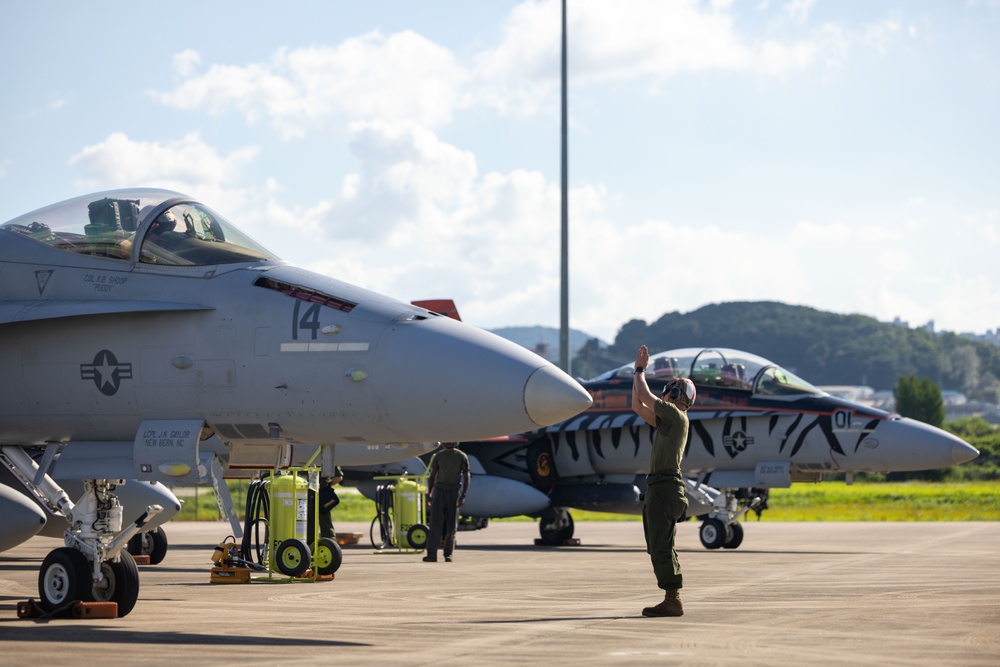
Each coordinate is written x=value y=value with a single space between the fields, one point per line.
x=798 y=10
x=188 y=165
x=427 y=224
x=883 y=34
x=402 y=76
x=418 y=220
x=405 y=76
x=624 y=40
x=416 y=217
x=408 y=177
x=186 y=62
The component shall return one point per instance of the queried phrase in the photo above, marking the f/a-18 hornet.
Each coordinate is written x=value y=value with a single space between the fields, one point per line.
x=755 y=426
x=138 y=325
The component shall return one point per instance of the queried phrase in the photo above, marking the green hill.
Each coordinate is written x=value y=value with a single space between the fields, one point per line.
x=824 y=348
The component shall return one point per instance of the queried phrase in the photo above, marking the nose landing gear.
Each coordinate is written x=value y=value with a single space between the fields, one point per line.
x=94 y=565
x=721 y=528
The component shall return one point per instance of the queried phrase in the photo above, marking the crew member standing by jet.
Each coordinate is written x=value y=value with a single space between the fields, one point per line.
x=328 y=499
x=665 y=500
x=446 y=488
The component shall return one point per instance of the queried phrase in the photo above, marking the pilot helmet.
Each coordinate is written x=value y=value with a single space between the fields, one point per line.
x=681 y=390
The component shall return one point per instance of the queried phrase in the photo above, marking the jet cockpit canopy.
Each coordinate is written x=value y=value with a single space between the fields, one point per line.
x=720 y=367
x=168 y=228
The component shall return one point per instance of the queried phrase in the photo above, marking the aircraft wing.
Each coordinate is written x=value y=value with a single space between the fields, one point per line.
x=29 y=309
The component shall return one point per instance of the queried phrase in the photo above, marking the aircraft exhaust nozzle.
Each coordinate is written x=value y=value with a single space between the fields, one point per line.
x=550 y=396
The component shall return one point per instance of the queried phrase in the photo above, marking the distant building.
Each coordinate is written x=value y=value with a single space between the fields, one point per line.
x=992 y=336
x=953 y=399
x=897 y=322
x=853 y=393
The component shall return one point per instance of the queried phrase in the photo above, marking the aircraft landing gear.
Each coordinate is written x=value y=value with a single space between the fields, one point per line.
x=715 y=534
x=472 y=523
x=556 y=525
x=152 y=543
x=94 y=565
x=721 y=528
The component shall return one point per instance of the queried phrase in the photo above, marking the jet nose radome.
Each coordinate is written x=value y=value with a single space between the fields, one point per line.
x=437 y=379
x=549 y=398
x=909 y=444
x=962 y=451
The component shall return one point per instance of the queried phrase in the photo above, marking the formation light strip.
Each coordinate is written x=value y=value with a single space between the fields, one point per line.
x=324 y=347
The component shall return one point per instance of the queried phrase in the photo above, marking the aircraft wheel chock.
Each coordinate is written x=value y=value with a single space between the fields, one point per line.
x=712 y=533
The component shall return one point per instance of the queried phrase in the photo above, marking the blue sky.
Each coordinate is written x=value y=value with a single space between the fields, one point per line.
x=840 y=155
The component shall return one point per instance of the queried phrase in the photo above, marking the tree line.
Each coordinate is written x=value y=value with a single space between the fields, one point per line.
x=821 y=347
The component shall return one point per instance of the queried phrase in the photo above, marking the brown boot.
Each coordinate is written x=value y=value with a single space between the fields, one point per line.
x=671 y=606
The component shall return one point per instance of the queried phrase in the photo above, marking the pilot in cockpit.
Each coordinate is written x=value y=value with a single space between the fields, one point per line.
x=164 y=232
x=161 y=231
x=165 y=222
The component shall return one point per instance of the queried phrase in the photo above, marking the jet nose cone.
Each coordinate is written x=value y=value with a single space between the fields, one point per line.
x=550 y=396
x=438 y=379
x=962 y=452
x=908 y=444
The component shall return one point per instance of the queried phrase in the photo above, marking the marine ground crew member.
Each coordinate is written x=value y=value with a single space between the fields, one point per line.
x=665 y=500
x=328 y=499
x=445 y=494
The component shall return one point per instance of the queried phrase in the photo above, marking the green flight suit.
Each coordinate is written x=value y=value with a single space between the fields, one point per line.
x=665 y=500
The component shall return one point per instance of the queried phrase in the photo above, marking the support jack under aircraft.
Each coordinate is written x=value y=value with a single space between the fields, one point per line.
x=755 y=426
x=145 y=338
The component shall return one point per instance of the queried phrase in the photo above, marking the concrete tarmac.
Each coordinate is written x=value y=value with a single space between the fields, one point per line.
x=793 y=594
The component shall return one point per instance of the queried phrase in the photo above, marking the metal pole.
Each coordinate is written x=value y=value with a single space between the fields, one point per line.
x=564 y=356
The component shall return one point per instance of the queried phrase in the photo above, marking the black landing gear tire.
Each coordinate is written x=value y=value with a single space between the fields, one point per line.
x=120 y=583
x=712 y=533
x=734 y=537
x=556 y=525
x=64 y=579
x=152 y=543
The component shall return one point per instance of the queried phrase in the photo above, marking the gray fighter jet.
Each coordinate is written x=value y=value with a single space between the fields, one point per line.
x=754 y=426
x=144 y=337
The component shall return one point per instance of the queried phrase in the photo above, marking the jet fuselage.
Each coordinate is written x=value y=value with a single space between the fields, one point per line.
x=93 y=344
x=753 y=424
